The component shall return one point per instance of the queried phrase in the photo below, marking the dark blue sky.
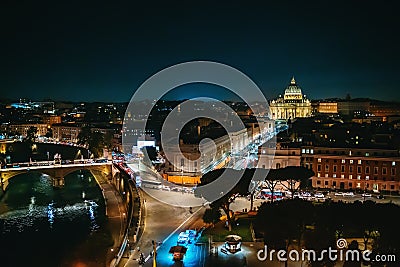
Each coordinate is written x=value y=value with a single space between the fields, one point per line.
x=97 y=52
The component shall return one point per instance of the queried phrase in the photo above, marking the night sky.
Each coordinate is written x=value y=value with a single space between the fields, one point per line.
x=96 y=52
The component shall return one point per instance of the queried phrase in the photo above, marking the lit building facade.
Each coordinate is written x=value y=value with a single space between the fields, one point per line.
x=353 y=168
x=284 y=155
x=66 y=133
x=292 y=105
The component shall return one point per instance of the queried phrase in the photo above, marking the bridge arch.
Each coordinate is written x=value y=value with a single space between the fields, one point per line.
x=57 y=173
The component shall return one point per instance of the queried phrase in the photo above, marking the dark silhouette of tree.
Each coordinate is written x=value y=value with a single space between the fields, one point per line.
x=291 y=175
x=212 y=216
x=94 y=140
x=241 y=188
x=49 y=133
x=31 y=135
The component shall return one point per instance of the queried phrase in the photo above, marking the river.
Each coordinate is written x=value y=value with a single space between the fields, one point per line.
x=45 y=226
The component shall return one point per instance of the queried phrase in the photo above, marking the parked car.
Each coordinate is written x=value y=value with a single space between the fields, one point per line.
x=319 y=195
x=366 y=195
x=339 y=194
x=348 y=194
x=380 y=196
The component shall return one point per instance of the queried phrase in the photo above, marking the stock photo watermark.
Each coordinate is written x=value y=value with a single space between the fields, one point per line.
x=340 y=253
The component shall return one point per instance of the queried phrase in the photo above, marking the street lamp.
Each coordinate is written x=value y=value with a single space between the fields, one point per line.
x=182 y=179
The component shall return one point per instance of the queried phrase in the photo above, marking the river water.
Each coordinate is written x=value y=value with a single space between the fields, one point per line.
x=45 y=226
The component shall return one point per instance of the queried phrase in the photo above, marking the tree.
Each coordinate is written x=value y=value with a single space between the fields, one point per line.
x=212 y=216
x=272 y=180
x=94 y=140
x=49 y=133
x=291 y=175
x=84 y=135
x=223 y=202
x=31 y=135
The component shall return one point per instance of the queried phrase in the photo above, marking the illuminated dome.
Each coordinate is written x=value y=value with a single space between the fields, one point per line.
x=293 y=91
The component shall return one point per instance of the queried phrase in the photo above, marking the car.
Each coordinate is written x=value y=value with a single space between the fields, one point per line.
x=348 y=194
x=339 y=194
x=366 y=195
x=380 y=197
x=319 y=195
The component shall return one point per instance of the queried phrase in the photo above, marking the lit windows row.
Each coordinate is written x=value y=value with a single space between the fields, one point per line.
x=307 y=151
x=384 y=170
x=351 y=161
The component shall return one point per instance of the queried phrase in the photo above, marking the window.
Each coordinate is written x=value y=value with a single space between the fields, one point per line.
x=342 y=168
x=350 y=176
x=359 y=161
x=358 y=185
x=326 y=167
x=334 y=175
x=375 y=170
x=393 y=163
x=308 y=151
x=334 y=168
x=182 y=162
x=393 y=171
x=278 y=165
x=195 y=164
x=319 y=167
x=326 y=183
x=319 y=159
x=384 y=170
x=366 y=154
x=334 y=183
x=318 y=182
x=351 y=161
x=392 y=187
x=326 y=175
x=359 y=169
x=367 y=177
x=351 y=169
x=367 y=169
x=318 y=174
x=303 y=151
x=358 y=177
x=343 y=161
x=342 y=176
x=312 y=151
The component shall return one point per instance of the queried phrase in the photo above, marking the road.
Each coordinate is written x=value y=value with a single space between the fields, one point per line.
x=162 y=224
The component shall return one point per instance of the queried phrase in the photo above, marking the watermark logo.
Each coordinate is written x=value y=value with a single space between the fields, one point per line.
x=139 y=114
x=341 y=243
x=341 y=253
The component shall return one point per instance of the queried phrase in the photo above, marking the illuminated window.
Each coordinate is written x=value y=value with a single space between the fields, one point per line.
x=312 y=151
x=334 y=175
x=358 y=177
x=367 y=177
x=342 y=176
x=359 y=161
x=393 y=163
x=326 y=175
x=318 y=175
x=319 y=160
x=303 y=151
x=350 y=176
x=351 y=161
x=343 y=161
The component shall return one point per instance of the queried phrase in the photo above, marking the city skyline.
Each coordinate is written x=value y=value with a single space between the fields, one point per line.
x=104 y=53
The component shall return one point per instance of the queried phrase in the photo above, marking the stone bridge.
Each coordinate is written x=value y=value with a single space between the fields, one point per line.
x=58 y=172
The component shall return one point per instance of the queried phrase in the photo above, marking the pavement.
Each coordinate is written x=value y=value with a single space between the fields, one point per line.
x=115 y=210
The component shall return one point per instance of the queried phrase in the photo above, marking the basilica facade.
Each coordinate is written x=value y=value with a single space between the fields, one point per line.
x=292 y=105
